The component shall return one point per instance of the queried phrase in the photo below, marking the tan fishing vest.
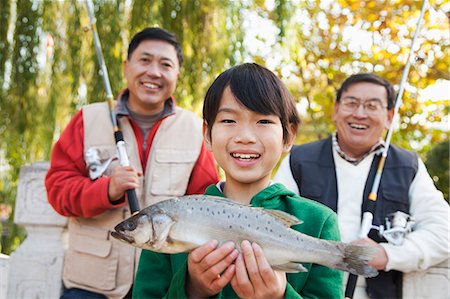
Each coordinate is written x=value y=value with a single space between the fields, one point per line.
x=94 y=260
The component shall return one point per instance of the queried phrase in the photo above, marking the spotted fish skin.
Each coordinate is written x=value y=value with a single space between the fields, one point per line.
x=184 y=223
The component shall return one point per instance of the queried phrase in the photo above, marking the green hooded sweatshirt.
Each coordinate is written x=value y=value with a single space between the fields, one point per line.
x=164 y=275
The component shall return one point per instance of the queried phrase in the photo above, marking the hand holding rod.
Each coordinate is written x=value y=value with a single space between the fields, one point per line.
x=120 y=143
x=366 y=223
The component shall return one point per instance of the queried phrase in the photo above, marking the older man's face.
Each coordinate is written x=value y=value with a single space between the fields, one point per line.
x=361 y=117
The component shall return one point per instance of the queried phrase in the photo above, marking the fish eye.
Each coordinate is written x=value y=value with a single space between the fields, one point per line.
x=130 y=225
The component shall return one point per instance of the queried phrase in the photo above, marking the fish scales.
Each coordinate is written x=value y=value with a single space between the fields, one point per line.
x=234 y=222
x=184 y=223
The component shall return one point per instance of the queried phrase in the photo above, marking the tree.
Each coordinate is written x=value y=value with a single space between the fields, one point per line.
x=20 y=108
x=437 y=163
x=319 y=50
x=49 y=68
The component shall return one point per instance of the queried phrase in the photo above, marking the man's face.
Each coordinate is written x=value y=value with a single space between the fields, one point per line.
x=151 y=73
x=359 y=129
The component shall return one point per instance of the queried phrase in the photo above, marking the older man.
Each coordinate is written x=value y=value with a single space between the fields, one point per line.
x=338 y=171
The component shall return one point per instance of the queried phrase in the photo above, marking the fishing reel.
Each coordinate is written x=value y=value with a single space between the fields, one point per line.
x=396 y=227
x=94 y=163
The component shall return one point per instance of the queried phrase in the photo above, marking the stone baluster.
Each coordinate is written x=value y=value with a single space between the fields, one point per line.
x=35 y=268
x=4 y=272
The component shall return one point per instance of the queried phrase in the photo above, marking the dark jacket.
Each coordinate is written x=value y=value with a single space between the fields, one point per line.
x=313 y=169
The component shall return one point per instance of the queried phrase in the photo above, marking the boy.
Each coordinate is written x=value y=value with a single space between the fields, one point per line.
x=250 y=120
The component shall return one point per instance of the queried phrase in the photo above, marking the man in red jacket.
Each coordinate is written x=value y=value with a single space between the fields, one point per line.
x=167 y=156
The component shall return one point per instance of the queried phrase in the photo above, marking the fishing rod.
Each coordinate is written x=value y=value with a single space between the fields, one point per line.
x=366 y=223
x=118 y=136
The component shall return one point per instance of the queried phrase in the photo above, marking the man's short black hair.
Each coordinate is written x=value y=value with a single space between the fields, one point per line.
x=258 y=89
x=370 y=78
x=155 y=33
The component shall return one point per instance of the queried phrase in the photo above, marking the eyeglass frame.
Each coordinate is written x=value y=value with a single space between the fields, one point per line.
x=348 y=106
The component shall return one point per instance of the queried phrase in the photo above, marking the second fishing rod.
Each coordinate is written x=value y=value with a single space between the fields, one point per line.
x=367 y=218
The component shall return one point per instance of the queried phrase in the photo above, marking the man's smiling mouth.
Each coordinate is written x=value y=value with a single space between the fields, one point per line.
x=150 y=85
x=359 y=127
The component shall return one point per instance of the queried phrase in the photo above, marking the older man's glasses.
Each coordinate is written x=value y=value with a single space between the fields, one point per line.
x=372 y=107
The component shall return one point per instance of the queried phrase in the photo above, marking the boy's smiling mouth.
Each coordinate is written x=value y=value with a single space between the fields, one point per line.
x=245 y=157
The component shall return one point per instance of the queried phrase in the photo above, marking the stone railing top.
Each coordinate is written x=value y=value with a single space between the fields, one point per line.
x=31 y=202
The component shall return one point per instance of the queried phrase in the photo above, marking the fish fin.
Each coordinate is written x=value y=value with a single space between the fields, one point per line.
x=175 y=246
x=162 y=223
x=290 y=267
x=356 y=258
x=285 y=218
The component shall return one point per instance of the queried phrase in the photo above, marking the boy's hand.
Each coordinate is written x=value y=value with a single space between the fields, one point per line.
x=254 y=277
x=210 y=269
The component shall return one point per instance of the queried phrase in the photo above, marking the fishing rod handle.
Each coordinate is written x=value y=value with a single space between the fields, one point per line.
x=124 y=161
x=366 y=224
x=133 y=202
x=131 y=193
x=351 y=286
x=122 y=153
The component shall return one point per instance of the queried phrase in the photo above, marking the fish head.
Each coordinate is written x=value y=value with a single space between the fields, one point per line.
x=148 y=229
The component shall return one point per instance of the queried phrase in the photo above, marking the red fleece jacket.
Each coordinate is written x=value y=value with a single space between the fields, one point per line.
x=72 y=193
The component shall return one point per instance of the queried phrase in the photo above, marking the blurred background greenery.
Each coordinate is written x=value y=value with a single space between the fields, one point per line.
x=48 y=67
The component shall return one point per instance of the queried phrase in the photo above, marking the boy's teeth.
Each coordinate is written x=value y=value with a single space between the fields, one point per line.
x=245 y=156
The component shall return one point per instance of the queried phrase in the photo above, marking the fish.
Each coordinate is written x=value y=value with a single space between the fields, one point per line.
x=184 y=223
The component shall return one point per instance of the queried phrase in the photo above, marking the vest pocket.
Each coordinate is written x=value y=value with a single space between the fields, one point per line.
x=394 y=200
x=172 y=171
x=91 y=262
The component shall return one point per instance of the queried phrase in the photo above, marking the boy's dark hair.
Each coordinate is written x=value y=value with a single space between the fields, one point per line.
x=256 y=88
x=155 y=33
x=371 y=78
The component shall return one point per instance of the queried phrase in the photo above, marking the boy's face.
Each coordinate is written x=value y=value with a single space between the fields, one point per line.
x=151 y=73
x=247 y=145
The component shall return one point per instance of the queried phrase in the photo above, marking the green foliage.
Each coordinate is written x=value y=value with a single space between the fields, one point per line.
x=437 y=163
x=320 y=53
x=55 y=69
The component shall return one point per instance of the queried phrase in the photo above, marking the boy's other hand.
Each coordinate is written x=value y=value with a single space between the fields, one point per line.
x=210 y=268
x=254 y=277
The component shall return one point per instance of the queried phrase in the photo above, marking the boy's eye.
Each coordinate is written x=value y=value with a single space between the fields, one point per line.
x=227 y=121
x=265 y=121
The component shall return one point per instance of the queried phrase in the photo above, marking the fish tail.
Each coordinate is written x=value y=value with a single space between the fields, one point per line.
x=355 y=259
